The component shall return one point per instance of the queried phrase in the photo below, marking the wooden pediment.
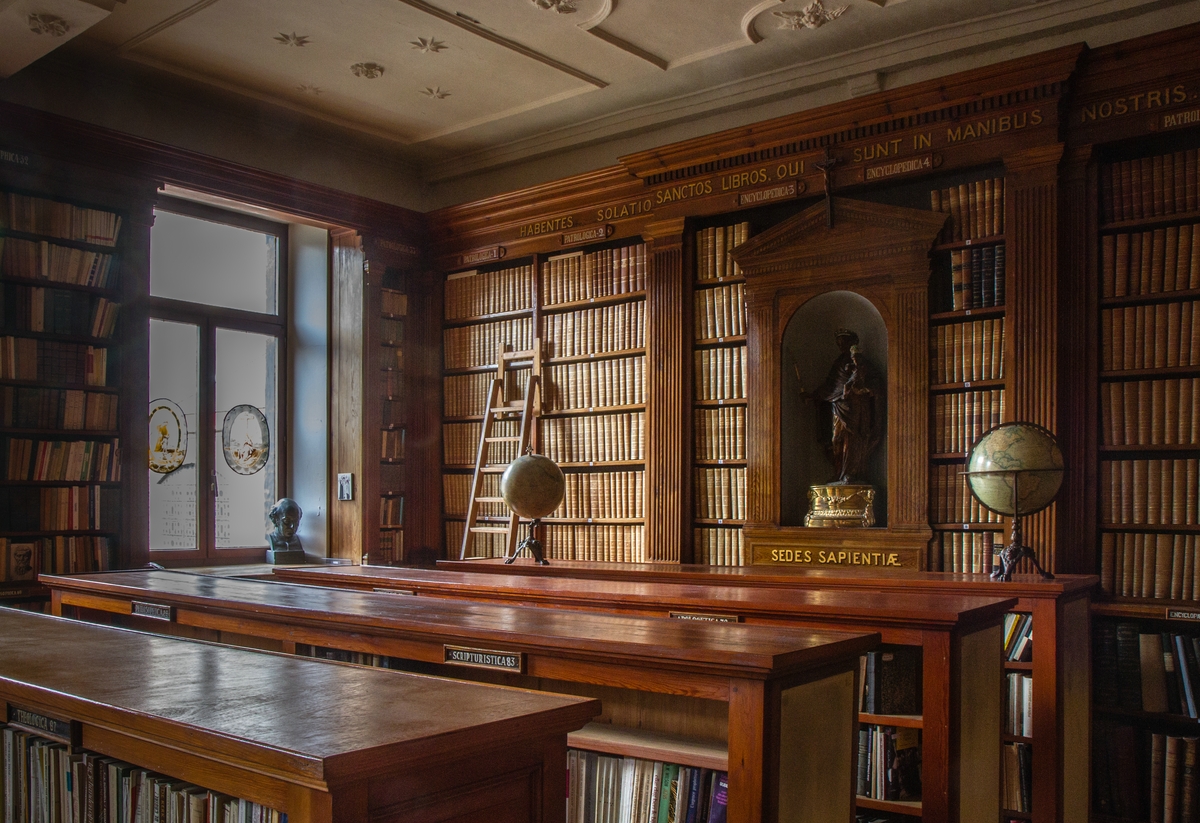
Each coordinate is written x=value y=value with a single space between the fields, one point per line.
x=863 y=235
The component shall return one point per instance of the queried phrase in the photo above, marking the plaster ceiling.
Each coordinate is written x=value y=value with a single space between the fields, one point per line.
x=460 y=85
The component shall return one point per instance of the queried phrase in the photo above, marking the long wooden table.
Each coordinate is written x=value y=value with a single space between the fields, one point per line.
x=958 y=634
x=787 y=696
x=1061 y=666
x=318 y=741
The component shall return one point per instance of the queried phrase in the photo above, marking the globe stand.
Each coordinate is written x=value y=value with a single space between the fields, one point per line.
x=533 y=544
x=1016 y=551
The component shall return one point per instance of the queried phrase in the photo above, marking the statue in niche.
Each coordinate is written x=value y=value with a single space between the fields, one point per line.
x=853 y=391
x=283 y=541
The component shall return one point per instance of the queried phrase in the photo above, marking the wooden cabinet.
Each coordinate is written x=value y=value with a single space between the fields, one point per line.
x=282 y=732
x=778 y=703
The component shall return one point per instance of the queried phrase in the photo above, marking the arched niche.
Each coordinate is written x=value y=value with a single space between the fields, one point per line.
x=808 y=350
x=877 y=255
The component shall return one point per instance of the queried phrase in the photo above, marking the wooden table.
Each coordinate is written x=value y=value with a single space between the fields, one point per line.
x=959 y=636
x=318 y=741
x=787 y=696
x=1061 y=666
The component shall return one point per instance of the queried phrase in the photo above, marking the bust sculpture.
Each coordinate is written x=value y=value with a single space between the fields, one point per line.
x=283 y=541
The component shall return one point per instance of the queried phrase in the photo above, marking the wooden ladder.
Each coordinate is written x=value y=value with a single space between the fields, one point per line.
x=526 y=410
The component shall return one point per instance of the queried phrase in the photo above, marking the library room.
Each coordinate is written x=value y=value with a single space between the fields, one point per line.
x=600 y=411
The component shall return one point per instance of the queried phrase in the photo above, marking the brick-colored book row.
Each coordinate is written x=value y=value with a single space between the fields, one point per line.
x=721 y=433
x=713 y=248
x=1150 y=412
x=1162 y=566
x=597 y=274
x=1150 y=186
x=1151 y=492
x=968 y=351
x=950 y=499
x=976 y=209
x=601 y=330
x=596 y=438
x=721 y=373
x=1150 y=262
x=721 y=312
x=960 y=418
x=720 y=494
x=1158 y=336
x=473 y=294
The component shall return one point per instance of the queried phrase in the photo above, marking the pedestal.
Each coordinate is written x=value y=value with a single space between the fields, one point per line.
x=840 y=506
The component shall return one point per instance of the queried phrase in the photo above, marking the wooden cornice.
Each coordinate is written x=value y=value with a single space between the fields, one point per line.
x=1040 y=76
x=85 y=144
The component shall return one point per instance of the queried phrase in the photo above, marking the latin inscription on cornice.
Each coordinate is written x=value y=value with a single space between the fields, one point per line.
x=1135 y=103
x=476 y=256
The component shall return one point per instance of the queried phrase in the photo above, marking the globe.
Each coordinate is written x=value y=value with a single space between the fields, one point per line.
x=1015 y=468
x=533 y=485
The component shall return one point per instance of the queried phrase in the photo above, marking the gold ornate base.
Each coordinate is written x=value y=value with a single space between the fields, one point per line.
x=840 y=506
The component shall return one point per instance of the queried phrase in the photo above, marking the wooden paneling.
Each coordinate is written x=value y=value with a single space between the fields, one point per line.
x=346 y=374
x=669 y=395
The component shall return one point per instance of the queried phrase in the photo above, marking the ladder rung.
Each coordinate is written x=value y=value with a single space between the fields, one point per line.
x=514 y=355
x=491 y=529
x=492 y=469
x=489 y=499
x=502 y=439
x=507 y=409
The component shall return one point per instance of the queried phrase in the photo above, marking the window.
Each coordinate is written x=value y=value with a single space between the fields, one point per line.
x=217 y=339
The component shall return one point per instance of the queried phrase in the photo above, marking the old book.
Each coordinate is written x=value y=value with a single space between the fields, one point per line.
x=1129 y=681
x=1173 y=763
x=1154 y=675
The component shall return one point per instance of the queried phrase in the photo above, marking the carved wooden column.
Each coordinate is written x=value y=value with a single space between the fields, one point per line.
x=668 y=502
x=1031 y=227
x=346 y=361
x=1078 y=383
x=762 y=412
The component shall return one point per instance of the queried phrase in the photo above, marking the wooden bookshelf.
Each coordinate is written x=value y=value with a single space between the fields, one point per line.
x=782 y=700
x=501 y=749
x=719 y=352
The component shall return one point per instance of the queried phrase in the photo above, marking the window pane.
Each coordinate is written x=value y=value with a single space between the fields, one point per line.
x=212 y=263
x=174 y=433
x=246 y=436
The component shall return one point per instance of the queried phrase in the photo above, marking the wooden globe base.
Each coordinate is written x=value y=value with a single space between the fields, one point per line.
x=1014 y=553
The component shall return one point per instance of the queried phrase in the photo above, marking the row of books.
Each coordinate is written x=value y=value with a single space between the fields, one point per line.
x=1174 y=793
x=601 y=495
x=456 y=495
x=965 y=552
x=721 y=433
x=25 y=358
x=976 y=209
x=719 y=547
x=36 y=215
x=961 y=417
x=390 y=358
x=392 y=441
x=42 y=260
x=1149 y=186
x=22 y=560
x=1018 y=637
x=391 y=548
x=1150 y=412
x=391 y=331
x=391 y=511
x=601 y=542
x=464 y=395
x=59 y=508
x=720 y=493
x=602 y=330
x=594 y=439
x=713 y=248
x=977 y=277
x=889 y=763
x=392 y=383
x=1162 y=565
x=61 y=460
x=1146 y=671
x=49 y=782
x=472 y=294
x=1120 y=768
x=721 y=312
x=1018 y=704
x=890 y=681
x=460 y=443
x=595 y=383
x=57 y=311
x=605 y=788
x=586 y=276
x=1017 y=778
x=479 y=344
x=1150 y=337
x=31 y=408
x=968 y=351
x=393 y=303
x=1150 y=262
x=950 y=499
x=1149 y=491
x=483 y=544
x=720 y=373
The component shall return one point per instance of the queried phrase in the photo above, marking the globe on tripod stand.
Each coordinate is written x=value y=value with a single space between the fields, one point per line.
x=1015 y=469
x=533 y=485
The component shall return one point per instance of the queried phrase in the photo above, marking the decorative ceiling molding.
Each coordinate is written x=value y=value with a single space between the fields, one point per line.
x=428 y=45
x=163 y=25
x=813 y=16
x=560 y=6
x=748 y=19
x=32 y=29
x=435 y=93
x=50 y=24
x=293 y=39
x=865 y=84
x=606 y=8
x=480 y=30
x=370 y=71
x=629 y=48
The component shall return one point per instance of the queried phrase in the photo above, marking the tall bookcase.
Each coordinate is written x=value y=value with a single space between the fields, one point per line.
x=719 y=424
x=967 y=381
x=1147 y=287
x=60 y=410
x=393 y=427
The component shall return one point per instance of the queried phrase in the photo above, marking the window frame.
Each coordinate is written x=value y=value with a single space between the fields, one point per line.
x=208 y=319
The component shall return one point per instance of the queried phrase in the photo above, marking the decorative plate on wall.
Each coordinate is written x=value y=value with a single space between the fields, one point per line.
x=245 y=439
x=168 y=436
